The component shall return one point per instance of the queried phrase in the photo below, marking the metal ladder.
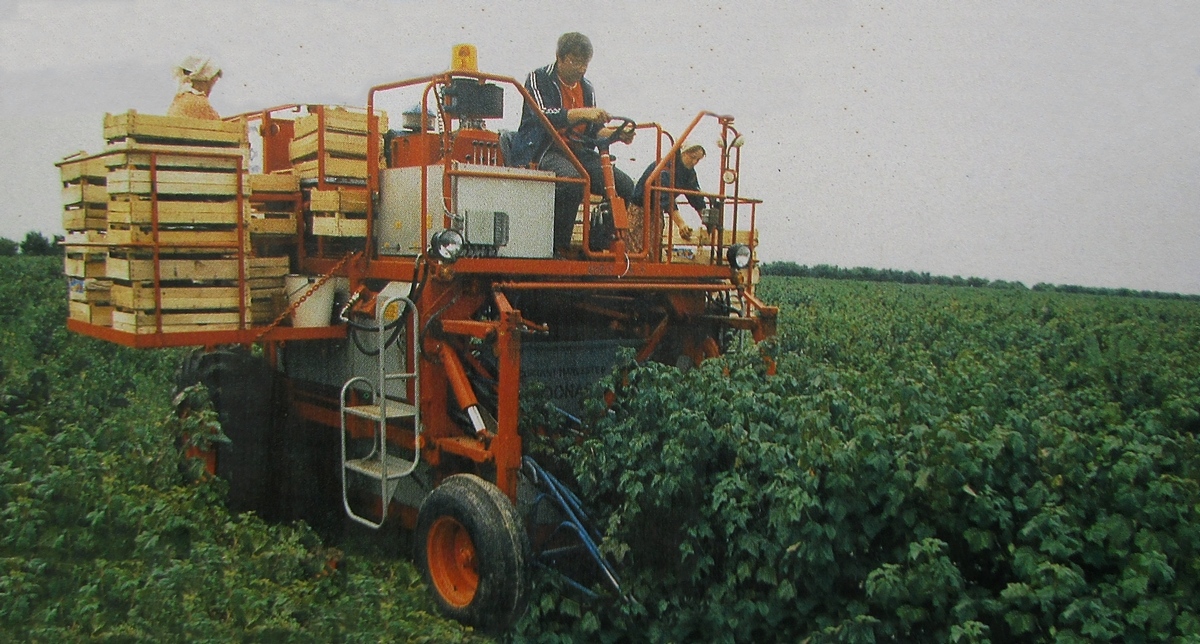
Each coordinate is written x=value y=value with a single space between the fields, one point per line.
x=380 y=465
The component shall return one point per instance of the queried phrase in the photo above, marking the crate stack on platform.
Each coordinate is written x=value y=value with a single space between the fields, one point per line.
x=85 y=222
x=176 y=185
x=274 y=207
x=329 y=153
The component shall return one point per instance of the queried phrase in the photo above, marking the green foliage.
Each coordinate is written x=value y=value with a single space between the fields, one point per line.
x=929 y=464
x=108 y=533
x=36 y=243
x=864 y=274
x=8 y=247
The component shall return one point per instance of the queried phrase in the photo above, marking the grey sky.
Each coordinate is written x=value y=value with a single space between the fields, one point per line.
x=1020 y=140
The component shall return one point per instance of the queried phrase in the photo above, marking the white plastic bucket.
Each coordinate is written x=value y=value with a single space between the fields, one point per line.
x=317 y=309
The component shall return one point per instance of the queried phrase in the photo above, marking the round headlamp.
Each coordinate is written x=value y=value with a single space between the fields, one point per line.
x=738 y=256
x=446 y=245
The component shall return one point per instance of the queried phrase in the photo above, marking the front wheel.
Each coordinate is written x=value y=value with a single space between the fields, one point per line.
x=473 y=553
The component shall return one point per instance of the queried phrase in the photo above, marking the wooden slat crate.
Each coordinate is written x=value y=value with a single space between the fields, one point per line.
x=78 y=237
x=263 y=302
x=277 y=182
x=338 y=119
x=139 y=322
x=338 y=225
x=145 y=127
x=270 y=224
x=91 y=290
x=170 y=158
x=173 y=182
x=207 y=240
x=129 y=210
x=140 y=296
x=85 y=217
x=74 y=194
x=129 y=268
x=340 y=144
x=335 y=168
x=344 y=200
x=92 y=170
x=98 y=314
x=82 y=261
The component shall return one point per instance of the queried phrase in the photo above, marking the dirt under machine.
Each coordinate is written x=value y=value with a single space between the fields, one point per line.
x=370 y=303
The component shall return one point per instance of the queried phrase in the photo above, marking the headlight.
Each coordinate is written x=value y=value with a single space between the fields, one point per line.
x=738 y=256
x=446 y=245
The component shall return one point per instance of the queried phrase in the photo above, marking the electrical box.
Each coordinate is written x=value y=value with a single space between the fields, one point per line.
x=507 y=214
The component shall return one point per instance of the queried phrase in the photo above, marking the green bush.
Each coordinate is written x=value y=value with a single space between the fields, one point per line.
x=929 y=464
x=108 y=533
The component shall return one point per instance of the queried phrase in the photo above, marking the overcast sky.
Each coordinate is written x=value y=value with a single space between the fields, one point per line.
x=1021 y=140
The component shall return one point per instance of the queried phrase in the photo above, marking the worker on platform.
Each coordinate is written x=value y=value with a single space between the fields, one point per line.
x=683 y=177
x=196 y=76
x=569 y=102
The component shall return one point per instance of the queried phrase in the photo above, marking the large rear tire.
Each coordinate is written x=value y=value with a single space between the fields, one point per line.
x=243 y=391
x=473 y=553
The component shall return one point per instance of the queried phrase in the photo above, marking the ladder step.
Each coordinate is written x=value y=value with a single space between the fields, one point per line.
x=372 y=467
x=395 y=410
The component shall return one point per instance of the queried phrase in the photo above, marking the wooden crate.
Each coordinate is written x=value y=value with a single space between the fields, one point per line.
x=92 y=170
x=91 y=290
x=122 y=181
x=689 y=252
x=343 y=200
x=85 y=262
x=139 y=322
x=180 y=129
x=81 y=237
x=260 y=224
x=335 y=169
x=183 y=157
x=140 y=296
x=75 y=194
x=278 y=182
x=339 y=144
x=98 y=314
x=338 y=119
x=137 y=267
x=203 y=240
x=130 y=210
x=338 y=225
x=85 y=217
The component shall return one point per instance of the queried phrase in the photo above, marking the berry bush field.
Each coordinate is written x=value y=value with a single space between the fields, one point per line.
x=106 y=532
x=929 y=464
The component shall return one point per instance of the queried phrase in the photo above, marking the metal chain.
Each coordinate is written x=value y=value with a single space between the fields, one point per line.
x=295 y=305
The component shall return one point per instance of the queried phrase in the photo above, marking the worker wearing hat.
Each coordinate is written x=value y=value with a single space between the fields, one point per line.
x=196 y=75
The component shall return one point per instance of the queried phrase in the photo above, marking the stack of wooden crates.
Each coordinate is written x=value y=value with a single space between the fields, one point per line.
x=329 y=153
x=85 y=220
x=176 y=185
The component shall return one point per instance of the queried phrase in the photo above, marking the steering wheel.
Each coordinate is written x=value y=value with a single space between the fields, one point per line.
x=603 y=141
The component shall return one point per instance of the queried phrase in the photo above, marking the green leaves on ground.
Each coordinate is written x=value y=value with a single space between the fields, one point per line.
x=107 y=533
x=930 y=464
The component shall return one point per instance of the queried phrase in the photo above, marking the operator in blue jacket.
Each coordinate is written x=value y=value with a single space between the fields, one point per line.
x=569 y=102
x=680 y=174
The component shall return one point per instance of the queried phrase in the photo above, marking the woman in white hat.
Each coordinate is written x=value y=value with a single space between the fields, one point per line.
x=196 y=76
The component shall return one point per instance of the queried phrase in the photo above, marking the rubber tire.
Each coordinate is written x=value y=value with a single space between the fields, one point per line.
x=242 y=388
x=501 y=546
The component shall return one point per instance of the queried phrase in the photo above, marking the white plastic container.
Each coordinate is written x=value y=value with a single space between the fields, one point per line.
x=317 y=309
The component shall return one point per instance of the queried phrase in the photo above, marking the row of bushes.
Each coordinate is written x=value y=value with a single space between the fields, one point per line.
x=929 y=464
x=107 y=533
x=864 y=274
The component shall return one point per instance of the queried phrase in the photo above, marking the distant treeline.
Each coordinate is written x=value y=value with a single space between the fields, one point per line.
x=864 y=274
x=34 y=243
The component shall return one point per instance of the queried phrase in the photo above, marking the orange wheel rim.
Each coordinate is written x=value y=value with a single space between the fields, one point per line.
x=452 y=566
